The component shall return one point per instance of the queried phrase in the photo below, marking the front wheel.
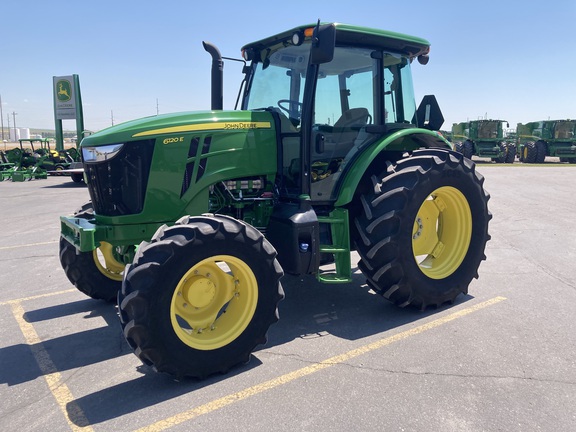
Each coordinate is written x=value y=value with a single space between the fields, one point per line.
x=540 y=151
x=530 y=152
x=200 y=296
x=98 y=273
x=510 y=153
x=468 y=149
x=424 y=229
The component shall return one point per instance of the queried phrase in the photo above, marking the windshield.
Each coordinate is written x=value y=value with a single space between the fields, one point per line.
x=279 y=81
x=565 y=130
x=489 y=129
x=358 y=89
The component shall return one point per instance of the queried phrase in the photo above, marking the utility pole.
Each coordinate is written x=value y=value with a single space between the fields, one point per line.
x=14 y=117
x=8 y=118
x=157 y=110
x=112 y=116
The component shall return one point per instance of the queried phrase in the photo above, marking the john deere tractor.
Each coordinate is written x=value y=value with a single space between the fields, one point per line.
x=483 y=138
x=194 y=217
x=536 y=140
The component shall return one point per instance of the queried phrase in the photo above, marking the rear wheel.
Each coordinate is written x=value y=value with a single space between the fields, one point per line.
x=77 y=177
x=424 y=229
x=529 y=153
x=200 y=296
x=98 y=274
x=468 y=149
x=503 y=153
x=510 y=153
x=540 y=151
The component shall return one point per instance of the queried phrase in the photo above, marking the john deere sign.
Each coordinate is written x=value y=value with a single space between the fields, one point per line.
x=64 y=100
x=67 y=106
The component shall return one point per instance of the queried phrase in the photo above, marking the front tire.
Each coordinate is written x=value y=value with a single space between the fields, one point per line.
x=540 y=151
x=468 y=149
x=530 y=152
x=200 y=296
x=424 y=229
x=98 y=274
x=503 y=153
x=510 y=153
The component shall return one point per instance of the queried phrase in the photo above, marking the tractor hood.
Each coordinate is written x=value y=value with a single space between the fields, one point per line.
x=177 y=123
x=163 y=166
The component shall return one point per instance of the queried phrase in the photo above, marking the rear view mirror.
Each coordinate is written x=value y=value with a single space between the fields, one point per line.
x=323 y=42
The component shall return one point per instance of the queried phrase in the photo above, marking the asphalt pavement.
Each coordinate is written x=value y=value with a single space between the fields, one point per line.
x=502 y=358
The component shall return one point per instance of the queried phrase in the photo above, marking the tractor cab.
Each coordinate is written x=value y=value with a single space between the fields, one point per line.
x=334 y=90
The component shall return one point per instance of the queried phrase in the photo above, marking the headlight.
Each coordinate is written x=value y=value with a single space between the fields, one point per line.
x=98 y=154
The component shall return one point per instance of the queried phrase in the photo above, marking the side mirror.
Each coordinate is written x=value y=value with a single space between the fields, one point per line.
x=323 y=42
x=428 y=114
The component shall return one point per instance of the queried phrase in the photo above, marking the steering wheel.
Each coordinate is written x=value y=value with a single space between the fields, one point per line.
x=290 y=103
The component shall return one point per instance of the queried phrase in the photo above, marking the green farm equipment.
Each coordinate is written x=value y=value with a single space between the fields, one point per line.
x=6 y=167
x=34 y=162
x=536 y=140
x=483 y=138
x=27 y=164
x=194 y=217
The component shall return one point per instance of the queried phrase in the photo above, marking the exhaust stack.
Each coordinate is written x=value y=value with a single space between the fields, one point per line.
x=217 y=91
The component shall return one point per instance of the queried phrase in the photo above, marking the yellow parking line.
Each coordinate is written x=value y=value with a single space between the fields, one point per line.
x=74 y=414
x=28 y=245
x=20 y=300
x=284 y=379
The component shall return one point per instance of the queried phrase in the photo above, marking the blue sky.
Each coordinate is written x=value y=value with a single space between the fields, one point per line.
x=496 y=59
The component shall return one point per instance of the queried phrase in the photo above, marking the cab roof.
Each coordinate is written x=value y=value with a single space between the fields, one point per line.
x=350 y=35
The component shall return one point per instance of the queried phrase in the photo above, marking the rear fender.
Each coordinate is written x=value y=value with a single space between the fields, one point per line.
x=405 y=140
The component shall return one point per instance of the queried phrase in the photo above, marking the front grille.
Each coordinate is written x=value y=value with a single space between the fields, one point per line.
x=117 y=186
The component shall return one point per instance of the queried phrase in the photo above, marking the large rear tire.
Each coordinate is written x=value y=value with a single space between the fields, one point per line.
x=503 y=153
x=468 y=149
x=540 y=151
x=200 y=296
x=424 y=228
x=510 y=153
x=530 y=152
x=98 y=274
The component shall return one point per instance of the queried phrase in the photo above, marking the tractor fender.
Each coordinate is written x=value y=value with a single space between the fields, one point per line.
x=404 y=139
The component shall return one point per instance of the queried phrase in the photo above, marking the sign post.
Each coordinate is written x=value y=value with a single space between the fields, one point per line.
x=67 y=106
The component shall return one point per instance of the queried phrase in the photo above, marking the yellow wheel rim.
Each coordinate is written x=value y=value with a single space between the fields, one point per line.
x=214 y=302
x=442 y=232
x=108 y=265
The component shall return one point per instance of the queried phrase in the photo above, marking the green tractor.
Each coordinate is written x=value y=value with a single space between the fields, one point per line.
x=483 y=138
x=536 y=140
x=194 y=217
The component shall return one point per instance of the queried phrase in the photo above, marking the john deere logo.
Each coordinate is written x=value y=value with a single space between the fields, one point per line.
x=63 y=90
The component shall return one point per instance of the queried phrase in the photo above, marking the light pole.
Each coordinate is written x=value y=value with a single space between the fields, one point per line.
x=14 y=123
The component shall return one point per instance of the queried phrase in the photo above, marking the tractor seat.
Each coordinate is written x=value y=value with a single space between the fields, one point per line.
x=345 y=131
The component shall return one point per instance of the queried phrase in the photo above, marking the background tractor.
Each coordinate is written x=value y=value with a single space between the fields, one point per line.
x=33 y=162
x=536 y=140
x=194 y=217
x=483 y=138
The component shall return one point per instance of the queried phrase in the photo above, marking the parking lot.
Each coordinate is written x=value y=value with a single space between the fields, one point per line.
x=502 y=358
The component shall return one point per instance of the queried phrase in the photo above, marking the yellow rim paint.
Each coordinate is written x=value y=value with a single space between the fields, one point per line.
x=206 y=126
x=112 y=268
x=215 y=285
x=442 y=232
